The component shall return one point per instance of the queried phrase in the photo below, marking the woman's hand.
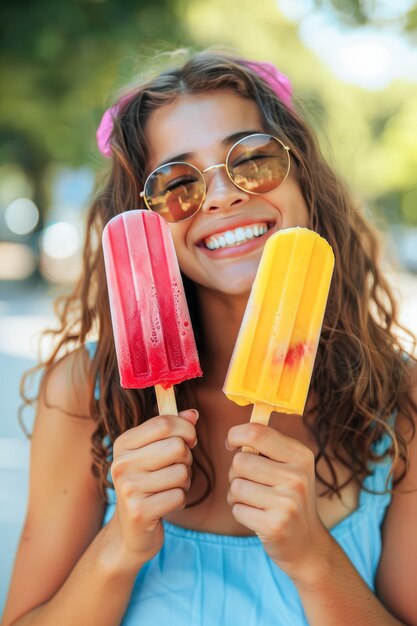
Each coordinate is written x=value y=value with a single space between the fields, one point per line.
x=274 y=495
x=151 y=473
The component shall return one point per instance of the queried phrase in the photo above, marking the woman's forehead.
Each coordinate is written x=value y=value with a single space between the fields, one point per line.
x=195 y=122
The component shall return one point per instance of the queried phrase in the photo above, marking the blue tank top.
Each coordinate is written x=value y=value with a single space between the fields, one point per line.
x=206 y=579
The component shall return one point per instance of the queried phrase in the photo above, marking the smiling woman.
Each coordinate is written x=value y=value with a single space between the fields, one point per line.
x=163 y=519
x=212 y=126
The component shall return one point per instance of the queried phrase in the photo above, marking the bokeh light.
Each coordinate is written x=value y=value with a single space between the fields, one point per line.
x=60 y=253
x=21 y=216
x=371 y=56
x=17 y=261
x=60 y=241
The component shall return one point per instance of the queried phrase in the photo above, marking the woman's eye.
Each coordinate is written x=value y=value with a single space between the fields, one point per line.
x=179 y=182
x=250 y=159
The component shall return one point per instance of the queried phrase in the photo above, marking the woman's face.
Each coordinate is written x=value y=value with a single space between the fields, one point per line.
x=199 y=124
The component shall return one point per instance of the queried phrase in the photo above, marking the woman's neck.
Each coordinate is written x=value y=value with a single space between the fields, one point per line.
x=221 y=317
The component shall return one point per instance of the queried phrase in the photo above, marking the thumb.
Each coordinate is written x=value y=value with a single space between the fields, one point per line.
x=191 y=415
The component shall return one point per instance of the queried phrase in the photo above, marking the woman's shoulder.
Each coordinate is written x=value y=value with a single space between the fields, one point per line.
x=412 y=372
x=406 y=423
x=64 y=424
x=66 y=382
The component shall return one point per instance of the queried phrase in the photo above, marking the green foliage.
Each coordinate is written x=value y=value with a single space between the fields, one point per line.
x=61 y=64
x=369 y=12
x=368 y=136
x=58 y=59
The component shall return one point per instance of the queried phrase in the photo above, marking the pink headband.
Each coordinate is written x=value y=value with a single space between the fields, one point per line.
x=278 y=82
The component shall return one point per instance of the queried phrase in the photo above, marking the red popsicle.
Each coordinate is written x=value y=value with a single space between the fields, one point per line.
x=152 y=329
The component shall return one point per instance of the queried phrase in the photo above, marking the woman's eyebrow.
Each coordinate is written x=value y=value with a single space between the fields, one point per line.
x=230 y=139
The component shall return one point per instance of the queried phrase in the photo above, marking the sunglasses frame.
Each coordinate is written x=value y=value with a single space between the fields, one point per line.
x=212 y=167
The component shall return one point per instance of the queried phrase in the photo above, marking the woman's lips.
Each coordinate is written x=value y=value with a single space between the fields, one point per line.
x=237 y=249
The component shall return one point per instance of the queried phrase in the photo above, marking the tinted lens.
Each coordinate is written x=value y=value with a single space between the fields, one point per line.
x=175 y=190
x=258 y=163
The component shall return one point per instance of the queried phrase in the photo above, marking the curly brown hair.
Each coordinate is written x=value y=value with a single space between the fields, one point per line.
x=360 y=375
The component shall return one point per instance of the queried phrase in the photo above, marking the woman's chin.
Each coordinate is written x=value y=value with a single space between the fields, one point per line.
x=234 y=279
x=233 y=285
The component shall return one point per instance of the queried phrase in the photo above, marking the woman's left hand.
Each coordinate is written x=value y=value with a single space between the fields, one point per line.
x=274 y=495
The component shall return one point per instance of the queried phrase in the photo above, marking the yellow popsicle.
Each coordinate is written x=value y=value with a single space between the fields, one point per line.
x=274 y=355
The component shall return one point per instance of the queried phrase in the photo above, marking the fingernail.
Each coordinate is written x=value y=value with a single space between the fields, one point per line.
x=190 y=414
x=227 y=446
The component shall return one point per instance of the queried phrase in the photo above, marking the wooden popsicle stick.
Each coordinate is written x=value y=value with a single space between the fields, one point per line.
x=260 y=415
x=166 y=400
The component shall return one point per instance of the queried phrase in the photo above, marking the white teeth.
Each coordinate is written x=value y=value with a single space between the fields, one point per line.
x=230 y=238
x=236 y=236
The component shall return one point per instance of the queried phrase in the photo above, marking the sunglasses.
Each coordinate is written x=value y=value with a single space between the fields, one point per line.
x=256 y=164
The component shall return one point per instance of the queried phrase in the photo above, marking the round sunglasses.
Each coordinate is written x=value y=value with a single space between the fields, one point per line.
x=256 y=164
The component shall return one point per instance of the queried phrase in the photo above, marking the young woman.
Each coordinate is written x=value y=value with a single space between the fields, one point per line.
x=139 y=518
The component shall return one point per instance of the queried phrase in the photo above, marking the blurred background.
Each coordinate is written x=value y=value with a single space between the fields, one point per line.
x=353 y=64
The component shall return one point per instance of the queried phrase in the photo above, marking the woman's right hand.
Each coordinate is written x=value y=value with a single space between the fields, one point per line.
x=151 y=473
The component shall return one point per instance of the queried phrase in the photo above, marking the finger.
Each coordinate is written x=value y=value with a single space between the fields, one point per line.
x=174 y=476
x=163 y=453
x=254 y=519
x=285 y=480
x=252 y=494
x=156 y=429
x=269 y=442
x=258 y=469
x=159 y=504
x=152 y=457
x=191 y=415
x=249 y=449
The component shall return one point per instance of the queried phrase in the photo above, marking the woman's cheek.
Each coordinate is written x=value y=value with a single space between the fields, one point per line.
x=185 y=256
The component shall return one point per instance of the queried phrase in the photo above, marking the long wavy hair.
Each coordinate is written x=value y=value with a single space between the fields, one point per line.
x=360 y=376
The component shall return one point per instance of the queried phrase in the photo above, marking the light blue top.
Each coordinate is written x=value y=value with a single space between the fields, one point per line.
x=205 y=579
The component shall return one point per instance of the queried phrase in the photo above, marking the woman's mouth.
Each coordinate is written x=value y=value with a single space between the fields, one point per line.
x=235 y=236
x=236 y=241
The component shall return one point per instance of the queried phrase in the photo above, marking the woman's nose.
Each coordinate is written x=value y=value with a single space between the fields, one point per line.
x=221 y=192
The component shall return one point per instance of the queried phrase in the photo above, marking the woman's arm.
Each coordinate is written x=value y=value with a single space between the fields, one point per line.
x=397 y=574
x=66 y=569
x=334 y=594
x=97 y=591
x=339 y=591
